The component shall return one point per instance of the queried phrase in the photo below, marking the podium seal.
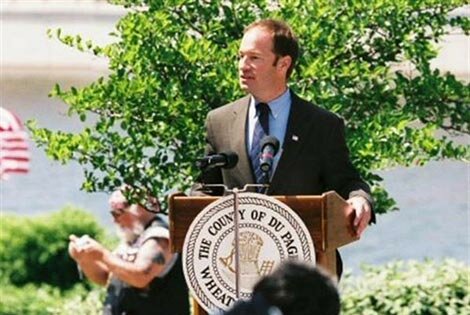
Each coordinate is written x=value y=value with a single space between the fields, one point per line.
x=269 y=233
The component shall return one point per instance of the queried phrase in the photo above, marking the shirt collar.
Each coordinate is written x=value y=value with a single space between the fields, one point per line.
x=276 y=105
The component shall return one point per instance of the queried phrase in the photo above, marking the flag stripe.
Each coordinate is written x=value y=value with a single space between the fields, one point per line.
x=5 y=159
x=9 y=121
x=14 y=170
x=14 y=154
x=14 y=147
x=9 y=135
x=13 y=164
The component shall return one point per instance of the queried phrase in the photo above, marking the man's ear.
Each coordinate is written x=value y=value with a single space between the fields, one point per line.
x=284 y=63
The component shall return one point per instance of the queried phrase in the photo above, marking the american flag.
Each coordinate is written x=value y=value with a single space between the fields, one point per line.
x=14 y=154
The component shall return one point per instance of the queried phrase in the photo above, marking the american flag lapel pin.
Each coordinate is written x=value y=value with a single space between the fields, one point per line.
x=295 y=138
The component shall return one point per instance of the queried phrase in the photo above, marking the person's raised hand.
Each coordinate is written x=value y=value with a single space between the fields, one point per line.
x=75 y=244
x=90 y=248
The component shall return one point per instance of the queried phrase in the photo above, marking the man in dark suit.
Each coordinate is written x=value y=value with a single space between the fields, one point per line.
x=313 y=157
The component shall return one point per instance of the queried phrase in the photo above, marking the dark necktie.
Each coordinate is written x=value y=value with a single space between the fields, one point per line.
x=261 y=130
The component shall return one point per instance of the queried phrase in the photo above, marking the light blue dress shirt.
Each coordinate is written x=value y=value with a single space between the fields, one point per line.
x=278 y=117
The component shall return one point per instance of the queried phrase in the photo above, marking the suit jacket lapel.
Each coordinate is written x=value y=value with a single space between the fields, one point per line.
x=238 y=140
x=297 y=130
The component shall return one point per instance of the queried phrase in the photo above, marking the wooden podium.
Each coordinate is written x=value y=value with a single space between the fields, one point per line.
x=328 y=218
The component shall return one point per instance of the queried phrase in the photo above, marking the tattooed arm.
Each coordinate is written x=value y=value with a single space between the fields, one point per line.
x=149 y=263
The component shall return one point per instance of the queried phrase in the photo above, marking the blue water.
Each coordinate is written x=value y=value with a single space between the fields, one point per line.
x=433 y=221
x=434 y=200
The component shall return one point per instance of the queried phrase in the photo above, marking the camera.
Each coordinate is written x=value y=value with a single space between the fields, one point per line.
x=82 y=241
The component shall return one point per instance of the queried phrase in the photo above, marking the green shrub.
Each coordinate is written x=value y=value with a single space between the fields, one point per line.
x=81 y=302
x=411 y=288
x=48 y=300
x=34 y=250
x=29 y=299
x=87 y=303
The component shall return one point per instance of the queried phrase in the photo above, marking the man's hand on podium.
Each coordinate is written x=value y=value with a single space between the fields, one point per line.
x=362 y=212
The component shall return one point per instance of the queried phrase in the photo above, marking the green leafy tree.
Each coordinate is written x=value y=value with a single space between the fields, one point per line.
x=174 y=60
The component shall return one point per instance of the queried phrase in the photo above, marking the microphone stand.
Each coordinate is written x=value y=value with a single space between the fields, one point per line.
x=236 y=231
x=236 y=221
x=266 y=182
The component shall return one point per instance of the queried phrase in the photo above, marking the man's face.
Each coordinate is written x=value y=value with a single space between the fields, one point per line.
x=127 y=223
x=259 y=73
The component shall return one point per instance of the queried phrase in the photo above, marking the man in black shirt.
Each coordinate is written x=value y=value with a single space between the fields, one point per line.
x=142 y=275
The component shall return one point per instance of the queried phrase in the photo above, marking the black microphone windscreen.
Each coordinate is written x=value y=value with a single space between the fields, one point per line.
x=232 y=159
x=270 y=140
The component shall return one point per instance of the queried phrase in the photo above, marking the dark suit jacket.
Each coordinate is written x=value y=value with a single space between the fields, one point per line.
x=314 y=158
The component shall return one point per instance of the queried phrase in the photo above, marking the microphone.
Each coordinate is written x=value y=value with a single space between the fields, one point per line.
x=269 y=148
x=226 y=160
